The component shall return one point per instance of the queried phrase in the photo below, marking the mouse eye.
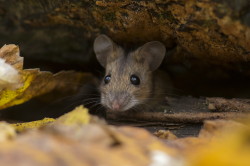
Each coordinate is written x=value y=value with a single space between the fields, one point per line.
x=107 y=79
x=135 y=80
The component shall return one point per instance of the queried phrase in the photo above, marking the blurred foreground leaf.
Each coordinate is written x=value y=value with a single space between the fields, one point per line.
x=7 y=132
x=229 y=146
x=34 y=124
x=77 y=139
x=79 y=115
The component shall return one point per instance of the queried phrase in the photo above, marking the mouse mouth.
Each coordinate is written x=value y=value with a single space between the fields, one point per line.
x=119 y=102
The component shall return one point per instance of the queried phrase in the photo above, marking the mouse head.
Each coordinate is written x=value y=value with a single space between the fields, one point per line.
x=128 y=78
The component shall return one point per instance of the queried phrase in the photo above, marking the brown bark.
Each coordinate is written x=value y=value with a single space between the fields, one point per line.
x=173 y=118
x=187 y=110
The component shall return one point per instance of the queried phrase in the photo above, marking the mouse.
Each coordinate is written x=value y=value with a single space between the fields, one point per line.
x=131 y=81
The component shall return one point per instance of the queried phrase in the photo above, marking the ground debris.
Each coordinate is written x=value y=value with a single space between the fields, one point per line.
x=183 y=117
x=228 y=105
x=165 y=134
x=82 y=144
x=186 y=110
x=93 y=141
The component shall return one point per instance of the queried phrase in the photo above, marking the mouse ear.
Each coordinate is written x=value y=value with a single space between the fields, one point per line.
x=103 y=47
x=153 y=52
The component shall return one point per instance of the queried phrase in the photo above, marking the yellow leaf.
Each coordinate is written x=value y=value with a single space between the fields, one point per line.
x=13 y=97
x=229 y=147
x=33 y=81
x=79 y=115
x=34 y=124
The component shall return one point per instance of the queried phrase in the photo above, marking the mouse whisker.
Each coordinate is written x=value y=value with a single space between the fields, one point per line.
x=89 y=102
x=99 y=107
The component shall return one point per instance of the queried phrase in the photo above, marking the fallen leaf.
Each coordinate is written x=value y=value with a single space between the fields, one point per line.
x=34 y=124
x=74 y=139
x=228 y=148
x=216 y=128
x=10 y=65
x=78 y=143
x=7 y=132
x=35 y=82
x=78 y=116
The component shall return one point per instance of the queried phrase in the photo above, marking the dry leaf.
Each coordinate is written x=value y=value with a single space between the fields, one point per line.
x=78 y=116
x=216 y=128
x=7 y=132
x=85 y=144
x=11 y=54
x=34 y=82
x=34 y=124
x=74 y=139
x=10 y=64
x=230 y=147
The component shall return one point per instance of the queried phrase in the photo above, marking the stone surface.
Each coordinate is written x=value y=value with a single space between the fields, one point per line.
x=203 y=32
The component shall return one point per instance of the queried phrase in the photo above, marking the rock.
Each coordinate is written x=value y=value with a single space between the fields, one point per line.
x=59 y=31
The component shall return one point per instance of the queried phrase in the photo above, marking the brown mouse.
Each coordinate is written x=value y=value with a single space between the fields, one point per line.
x=131 y=80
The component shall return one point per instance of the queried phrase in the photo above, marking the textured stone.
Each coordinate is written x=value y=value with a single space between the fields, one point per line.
x=206 y=32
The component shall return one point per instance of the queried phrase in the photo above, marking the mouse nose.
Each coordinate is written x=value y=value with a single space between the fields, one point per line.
x=116 y=105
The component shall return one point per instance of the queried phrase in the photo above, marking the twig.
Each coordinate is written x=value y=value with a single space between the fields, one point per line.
x=170 y=118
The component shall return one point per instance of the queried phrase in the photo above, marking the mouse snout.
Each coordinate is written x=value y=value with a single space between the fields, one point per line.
x=117 y=101
x=116 y=105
